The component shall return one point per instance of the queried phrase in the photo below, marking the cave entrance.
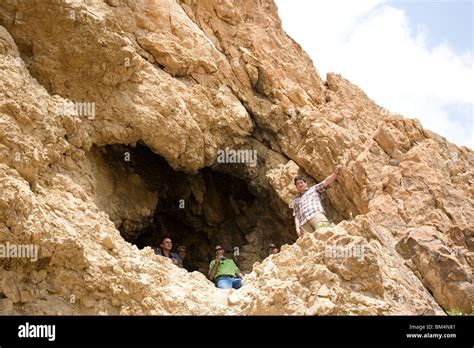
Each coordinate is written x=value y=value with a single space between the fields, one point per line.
x=195 y=210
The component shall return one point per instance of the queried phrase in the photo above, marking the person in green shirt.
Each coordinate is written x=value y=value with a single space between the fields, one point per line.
x=224 y=272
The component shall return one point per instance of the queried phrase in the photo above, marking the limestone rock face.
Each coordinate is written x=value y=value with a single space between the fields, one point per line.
x=187 y=79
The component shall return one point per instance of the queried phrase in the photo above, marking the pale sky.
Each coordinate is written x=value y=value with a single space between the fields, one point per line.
x=411 y=57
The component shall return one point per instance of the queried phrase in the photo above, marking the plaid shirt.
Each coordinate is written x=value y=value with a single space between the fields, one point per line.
x=308 y=203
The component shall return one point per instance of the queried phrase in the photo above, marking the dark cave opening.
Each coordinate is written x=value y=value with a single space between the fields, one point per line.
x=201 y=210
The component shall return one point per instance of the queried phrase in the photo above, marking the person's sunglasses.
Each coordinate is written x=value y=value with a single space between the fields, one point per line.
x=218 y=249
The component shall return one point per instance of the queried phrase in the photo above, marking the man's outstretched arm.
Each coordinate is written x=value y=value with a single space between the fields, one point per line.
x=330 y=179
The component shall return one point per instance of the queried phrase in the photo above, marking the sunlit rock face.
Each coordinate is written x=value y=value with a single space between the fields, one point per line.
x=113 y=119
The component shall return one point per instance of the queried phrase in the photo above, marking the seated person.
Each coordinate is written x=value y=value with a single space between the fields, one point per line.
x=272 y=249
x=224 y=272
x=165 y=250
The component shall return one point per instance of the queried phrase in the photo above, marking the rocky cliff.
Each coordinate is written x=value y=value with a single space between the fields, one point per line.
x=113 y=114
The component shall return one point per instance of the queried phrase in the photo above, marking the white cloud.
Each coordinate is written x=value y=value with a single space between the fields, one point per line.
x=371 y=44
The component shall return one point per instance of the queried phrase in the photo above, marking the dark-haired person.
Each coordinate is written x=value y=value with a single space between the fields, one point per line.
x=165 y=250
x=224 y=272
x=307 y=207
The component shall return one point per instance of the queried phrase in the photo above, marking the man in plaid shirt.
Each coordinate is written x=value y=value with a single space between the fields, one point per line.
x=307 y=208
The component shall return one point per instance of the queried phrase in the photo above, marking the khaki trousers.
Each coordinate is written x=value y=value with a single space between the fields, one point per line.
x=319 y=220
